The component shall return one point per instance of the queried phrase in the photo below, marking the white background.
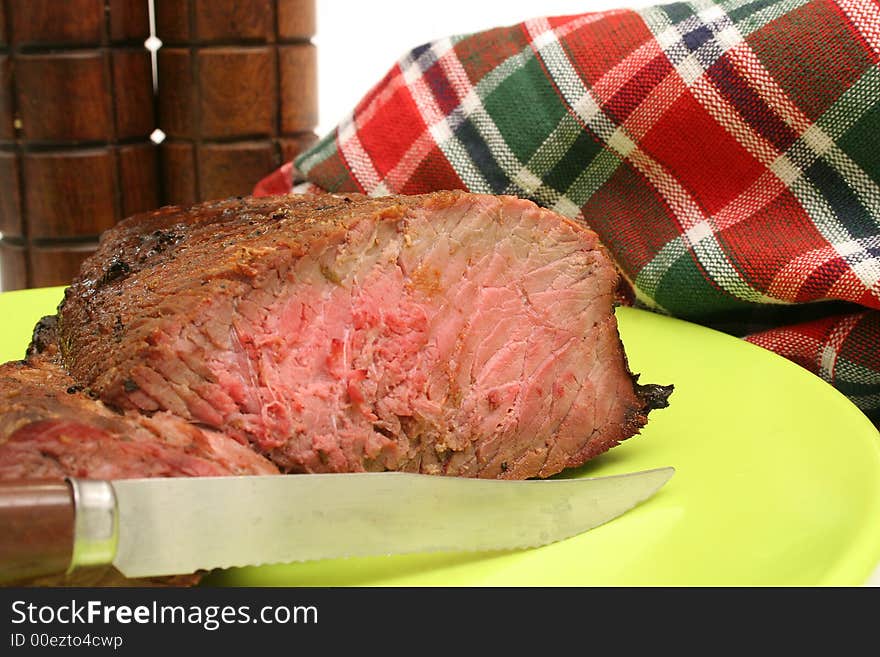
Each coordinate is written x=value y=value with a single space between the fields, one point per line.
x=358 y=42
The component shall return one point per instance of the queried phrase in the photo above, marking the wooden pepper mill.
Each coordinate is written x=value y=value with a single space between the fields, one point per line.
x=237 y=92
x=76 y=114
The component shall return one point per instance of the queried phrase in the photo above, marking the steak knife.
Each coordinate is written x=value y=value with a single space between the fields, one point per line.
x=155 y=527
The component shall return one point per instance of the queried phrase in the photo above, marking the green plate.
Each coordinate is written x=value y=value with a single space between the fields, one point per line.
x=777 y=480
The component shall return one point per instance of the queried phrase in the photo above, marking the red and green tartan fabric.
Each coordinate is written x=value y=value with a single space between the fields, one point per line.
x=727 y=153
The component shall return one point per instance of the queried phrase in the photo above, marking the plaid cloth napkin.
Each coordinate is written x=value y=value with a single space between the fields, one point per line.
x=727 y=153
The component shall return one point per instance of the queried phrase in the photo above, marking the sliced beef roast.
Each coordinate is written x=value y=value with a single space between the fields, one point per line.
x=449 y=333
x=51 y=429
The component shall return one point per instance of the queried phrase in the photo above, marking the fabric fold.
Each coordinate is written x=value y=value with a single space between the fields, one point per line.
x=727 y=153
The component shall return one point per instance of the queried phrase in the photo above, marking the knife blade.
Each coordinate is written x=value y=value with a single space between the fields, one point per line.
x=156 y=527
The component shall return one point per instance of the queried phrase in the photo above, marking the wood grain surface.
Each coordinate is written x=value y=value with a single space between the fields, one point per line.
x=38 y=528
x=237 y=98
x=77 y=108
x=237 y=92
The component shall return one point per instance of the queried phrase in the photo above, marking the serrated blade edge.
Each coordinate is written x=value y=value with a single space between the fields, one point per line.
x=178 y=526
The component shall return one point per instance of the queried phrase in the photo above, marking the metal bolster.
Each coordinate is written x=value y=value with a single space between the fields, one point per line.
x=96 y=525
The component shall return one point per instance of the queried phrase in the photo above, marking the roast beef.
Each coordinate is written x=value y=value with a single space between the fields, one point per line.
x=50 y=428
x=449 y=333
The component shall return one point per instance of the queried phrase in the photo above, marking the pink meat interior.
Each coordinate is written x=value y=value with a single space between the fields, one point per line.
x=451 y=341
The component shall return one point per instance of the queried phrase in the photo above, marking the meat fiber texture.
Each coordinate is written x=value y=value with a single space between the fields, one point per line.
x=449 y=334
x=50 y=429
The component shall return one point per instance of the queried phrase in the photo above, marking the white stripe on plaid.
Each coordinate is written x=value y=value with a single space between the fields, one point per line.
x=529 y=176
x=847 y=370
x=410 y=70
x=348 y=142
x=562 y=137
x=814 y=141
x=759 y=19
x=556 y=146
x=587 y=112
x=862 y=96
x=788 y=341
x=866 y=17
x=706 y=247
x=848 y=110
x=760 y=193
x=310 y=159
x=442 y=131
x=440 y=126
x=624 y=71
x=476 y=113
x=588 y=182
x=546 y=42
x=353 y=151
x=472 y=108
x=790 y=278
x=753 y=199
x=322 y=151
x=822 y=213
x=833 y=344
x=744 y=59
x=821 y=145
x=863 y=273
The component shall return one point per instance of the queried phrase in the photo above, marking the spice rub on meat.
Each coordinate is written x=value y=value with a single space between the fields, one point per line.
x=448 y=333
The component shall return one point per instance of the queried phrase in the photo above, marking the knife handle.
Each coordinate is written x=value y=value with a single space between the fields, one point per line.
x=51 y=527
x=37 y=523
